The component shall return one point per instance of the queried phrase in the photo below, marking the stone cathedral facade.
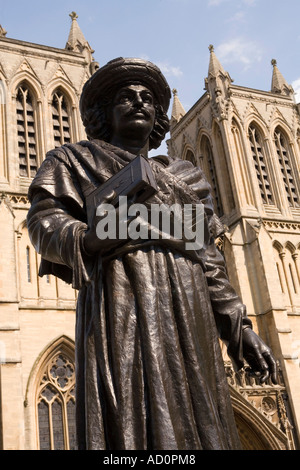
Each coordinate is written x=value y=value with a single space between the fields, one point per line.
x=247 y=142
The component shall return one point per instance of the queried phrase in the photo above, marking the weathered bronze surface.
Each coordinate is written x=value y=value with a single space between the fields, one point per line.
x=149 y=370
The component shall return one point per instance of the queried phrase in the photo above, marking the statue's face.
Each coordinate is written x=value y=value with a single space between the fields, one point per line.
x=132 y=113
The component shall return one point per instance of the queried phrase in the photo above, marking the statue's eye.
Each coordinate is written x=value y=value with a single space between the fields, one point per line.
x=124 y=98
x=147 y=98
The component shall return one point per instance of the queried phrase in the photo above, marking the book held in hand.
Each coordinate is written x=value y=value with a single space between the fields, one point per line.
x=135 y=179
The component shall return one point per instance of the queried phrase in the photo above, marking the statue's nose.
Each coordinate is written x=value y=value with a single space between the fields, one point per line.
x=138 y=100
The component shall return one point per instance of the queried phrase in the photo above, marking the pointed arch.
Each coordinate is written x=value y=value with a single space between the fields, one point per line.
x=278 y=246
x=61 y=122
x=286 y=258
x=255 y=430
x=50 y=396
x=278 y=258
x=32 y=82
x=261 y=164
x=208 y=166
x=241 y=167
x=27 y=265
x=62 y=104
x=298 y=139
x=255 y=117
x=290 y=246
x=287 y=165
x=3 y=127
x=28 y=125
x=189 y=155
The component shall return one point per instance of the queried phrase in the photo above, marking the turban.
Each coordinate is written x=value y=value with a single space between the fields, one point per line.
x=121 y=72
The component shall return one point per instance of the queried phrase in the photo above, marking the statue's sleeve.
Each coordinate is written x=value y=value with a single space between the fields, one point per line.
x=56 y=224
x=57 y=236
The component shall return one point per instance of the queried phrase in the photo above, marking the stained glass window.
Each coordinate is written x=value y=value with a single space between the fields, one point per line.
x=56 y=405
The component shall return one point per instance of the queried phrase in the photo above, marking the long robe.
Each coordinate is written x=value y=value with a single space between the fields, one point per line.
x=149 y=368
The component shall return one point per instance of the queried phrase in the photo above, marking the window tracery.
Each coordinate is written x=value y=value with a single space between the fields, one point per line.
x=26 y=129
x=60 y=119
x=190 y=157
x=28 y=264
x=284 y=154
x=259 y=158
x=287 y=265
x=210 y=172
x=56 y=404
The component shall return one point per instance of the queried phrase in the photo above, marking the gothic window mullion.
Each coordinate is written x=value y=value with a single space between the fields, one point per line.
x=65 y=423
x=286 y=170
x=56 y=430
x=26 y=121
x=24 y=96
x=260 y=167
x=33 y=160
x=61 y=127
x=212 y=177
x=60 y=119
x=51 y=426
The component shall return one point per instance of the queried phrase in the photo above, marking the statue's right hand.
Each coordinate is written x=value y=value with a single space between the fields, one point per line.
x=94 y=243
x=104 y=234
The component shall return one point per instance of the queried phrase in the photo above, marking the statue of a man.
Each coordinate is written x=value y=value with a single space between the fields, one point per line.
x=149 y=369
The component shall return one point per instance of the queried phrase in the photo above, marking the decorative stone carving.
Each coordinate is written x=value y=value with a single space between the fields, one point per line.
x=268 y=400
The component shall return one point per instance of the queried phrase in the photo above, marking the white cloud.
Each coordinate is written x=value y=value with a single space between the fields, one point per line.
x=165 y=67
x=296 y=87
x=239 y=50
x=169 y=70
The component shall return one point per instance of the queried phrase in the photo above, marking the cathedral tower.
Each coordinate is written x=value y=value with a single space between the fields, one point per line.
x=40 y=88
x=247 y=142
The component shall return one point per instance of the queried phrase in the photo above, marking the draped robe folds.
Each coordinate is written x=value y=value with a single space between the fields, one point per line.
x=149 y=368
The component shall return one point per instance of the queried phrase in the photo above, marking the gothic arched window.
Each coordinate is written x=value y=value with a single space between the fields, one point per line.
x=210 y=173
x=284 y=154
x=56 y=404
x=26 y=125
x=60 y=118
x=28 y=267
x=259 y=158
x=190 y=157
x=298 y=139
x=288 y=272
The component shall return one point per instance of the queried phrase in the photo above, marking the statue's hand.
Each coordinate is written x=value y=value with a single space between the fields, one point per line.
x=94 y=243
x=259 y=356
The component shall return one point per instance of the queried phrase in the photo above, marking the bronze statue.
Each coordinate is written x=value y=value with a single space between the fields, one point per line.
x=149 y=369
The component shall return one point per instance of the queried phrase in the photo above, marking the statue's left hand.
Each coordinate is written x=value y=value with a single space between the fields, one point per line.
x=259 y=356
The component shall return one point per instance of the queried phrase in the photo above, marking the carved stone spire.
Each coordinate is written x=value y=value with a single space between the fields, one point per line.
x=178 y=110
x=76 y=40
x=217 y=85
x=215 y=66
x=279 y=84
x=77 y=43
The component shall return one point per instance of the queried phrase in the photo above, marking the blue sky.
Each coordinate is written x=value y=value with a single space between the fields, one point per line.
x=174 y=34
